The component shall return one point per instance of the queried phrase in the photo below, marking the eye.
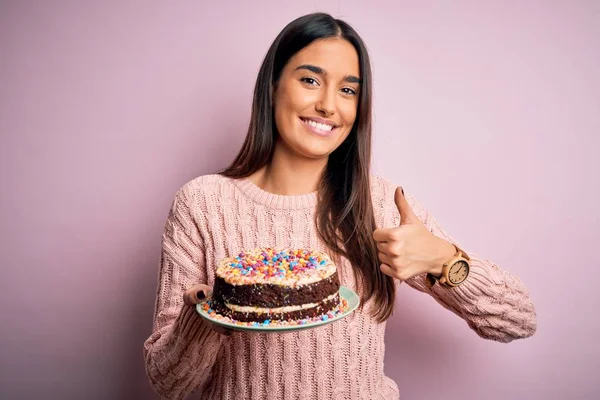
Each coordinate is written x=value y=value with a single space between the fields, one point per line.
x=309 y=81
x=349 y=91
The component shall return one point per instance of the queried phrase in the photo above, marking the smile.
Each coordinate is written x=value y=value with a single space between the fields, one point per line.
x=319 y=128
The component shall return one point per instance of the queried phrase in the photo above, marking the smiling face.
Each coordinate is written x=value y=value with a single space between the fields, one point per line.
x=316 y=98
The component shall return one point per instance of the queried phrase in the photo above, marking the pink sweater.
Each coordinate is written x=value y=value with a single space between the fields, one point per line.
x=214 y=217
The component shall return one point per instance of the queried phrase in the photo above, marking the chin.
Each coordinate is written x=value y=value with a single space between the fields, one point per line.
x=316 y=153
x=320 y=147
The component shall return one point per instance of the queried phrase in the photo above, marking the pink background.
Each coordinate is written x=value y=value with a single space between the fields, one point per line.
x=488 y=111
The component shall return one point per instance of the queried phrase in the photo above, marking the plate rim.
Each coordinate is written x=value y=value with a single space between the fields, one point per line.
x=261 y=328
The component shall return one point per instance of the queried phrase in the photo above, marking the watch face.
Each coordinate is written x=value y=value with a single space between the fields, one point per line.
x=458 y=272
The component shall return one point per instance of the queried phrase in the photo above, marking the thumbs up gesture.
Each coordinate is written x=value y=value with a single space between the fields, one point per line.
x=410 y=249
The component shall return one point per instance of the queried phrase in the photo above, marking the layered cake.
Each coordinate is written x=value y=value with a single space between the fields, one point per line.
x=268 y=284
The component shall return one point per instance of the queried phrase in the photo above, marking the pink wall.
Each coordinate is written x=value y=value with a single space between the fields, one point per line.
x=107 y=108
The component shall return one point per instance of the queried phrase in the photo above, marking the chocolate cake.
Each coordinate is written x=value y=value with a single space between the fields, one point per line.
x=276 y=284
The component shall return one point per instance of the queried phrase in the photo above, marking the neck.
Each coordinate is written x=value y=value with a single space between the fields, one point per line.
x=290 y=174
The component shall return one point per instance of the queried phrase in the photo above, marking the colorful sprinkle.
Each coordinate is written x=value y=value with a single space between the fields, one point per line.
x=277 y=266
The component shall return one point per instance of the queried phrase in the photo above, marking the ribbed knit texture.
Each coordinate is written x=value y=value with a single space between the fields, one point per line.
x=214 y=217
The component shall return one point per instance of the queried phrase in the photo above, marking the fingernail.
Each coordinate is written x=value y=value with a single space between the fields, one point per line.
x=200 y=295
x=402 y=191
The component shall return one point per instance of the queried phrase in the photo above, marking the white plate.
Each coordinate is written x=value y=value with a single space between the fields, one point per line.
x=345 y=293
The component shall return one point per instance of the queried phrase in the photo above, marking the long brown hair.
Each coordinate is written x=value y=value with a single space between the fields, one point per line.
x=344 y=218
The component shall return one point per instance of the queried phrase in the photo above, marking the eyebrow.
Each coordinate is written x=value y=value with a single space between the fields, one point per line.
x=321 y=71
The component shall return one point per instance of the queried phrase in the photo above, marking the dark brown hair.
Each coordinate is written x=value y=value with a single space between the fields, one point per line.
x=344 y=217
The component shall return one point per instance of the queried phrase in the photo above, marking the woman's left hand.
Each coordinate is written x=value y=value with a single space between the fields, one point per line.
x=410 y=249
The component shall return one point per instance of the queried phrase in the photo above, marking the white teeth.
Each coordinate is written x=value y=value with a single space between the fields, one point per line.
x=322 y=127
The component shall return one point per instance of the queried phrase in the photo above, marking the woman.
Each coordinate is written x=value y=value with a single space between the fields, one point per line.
x=302 y=180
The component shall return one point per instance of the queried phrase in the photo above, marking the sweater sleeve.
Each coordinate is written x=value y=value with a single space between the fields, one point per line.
x=182 y=348
x=493 y=302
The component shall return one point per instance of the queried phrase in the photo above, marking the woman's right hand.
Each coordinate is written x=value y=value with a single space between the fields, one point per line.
x=195 y=295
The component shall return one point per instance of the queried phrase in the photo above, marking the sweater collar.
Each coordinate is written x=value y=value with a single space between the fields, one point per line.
x=272 y=200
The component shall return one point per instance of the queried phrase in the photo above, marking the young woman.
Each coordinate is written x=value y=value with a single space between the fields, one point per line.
x=302 y=180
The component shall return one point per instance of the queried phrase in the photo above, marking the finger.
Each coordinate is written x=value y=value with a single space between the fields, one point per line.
x=385 y=248
x=386 y=269
x=394 y=272
x=196 y=294
x=392 y=249
x=407 y=215
x=382 y=234
x=384 y=258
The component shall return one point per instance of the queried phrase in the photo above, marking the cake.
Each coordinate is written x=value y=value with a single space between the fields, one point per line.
x=267 y=284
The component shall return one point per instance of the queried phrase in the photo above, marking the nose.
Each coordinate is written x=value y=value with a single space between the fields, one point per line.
x=326 y=103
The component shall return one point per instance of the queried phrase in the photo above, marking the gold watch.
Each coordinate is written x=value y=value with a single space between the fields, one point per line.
x=454 y=271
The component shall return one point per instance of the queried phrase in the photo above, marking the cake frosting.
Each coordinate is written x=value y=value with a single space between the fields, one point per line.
x=276 y=284
x=278 y=267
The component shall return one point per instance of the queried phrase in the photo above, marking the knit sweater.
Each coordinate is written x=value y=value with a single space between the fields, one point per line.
x=214 y=217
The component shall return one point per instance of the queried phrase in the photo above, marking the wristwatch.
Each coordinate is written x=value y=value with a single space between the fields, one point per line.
x=454 y=271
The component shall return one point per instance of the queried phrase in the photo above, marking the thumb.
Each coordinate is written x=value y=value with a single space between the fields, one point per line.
x=407 y=216
x=196 y=294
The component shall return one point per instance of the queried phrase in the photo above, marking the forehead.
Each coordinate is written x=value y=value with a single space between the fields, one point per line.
x=336 y=56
